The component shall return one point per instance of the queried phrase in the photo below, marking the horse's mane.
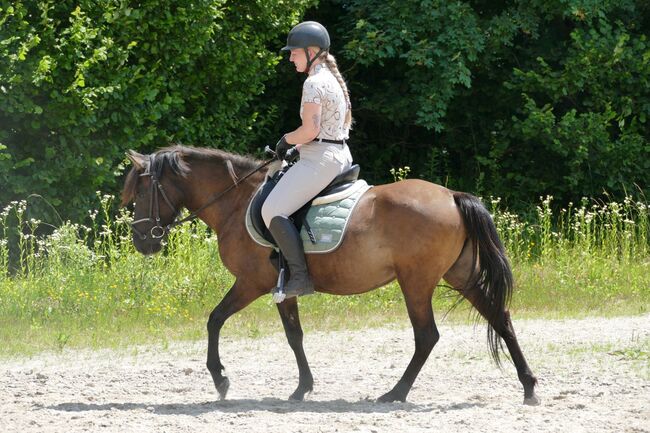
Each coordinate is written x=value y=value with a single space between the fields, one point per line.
x=175 y=157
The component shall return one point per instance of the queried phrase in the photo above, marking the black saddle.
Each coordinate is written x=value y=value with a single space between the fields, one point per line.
x=338 y=184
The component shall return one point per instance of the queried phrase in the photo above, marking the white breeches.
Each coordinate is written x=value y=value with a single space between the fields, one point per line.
x=319 y=163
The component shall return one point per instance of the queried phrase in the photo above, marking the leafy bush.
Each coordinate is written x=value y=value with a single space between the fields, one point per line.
x=82 y=81
x=517 y=99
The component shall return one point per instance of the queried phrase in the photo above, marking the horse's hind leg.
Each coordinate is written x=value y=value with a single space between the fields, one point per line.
x=418 y=303
x=503 y=326
x=457 y=276
x=291 y=321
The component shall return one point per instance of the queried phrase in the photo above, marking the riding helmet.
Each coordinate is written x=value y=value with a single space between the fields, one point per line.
x=308 y=34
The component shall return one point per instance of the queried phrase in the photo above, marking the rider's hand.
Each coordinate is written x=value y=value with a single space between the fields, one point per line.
x=281 y=148
x=291 y=154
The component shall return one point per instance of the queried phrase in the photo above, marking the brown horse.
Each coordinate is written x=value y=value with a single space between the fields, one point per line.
x=412 y=231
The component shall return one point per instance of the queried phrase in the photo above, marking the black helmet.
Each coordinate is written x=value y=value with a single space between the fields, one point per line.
x=308 y=34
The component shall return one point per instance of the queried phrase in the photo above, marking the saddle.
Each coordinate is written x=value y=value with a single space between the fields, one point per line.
x=336 y=190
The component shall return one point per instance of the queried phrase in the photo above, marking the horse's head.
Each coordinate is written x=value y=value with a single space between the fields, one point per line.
x=152 y=185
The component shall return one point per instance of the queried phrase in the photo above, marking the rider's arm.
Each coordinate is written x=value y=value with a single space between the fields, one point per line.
x=310 y=127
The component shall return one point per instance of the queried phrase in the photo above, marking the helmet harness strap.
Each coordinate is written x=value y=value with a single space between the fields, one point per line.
x=310 y=61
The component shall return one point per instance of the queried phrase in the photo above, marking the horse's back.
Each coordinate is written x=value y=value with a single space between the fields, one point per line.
x=407 y=223
x=415 y=212
x=418 y=197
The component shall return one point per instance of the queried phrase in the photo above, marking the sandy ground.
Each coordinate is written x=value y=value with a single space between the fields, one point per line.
x=593 y=377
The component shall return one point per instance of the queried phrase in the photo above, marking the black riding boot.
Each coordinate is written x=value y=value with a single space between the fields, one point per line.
x=288 y=239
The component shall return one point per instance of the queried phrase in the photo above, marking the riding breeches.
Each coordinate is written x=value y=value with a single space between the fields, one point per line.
x=319 y=164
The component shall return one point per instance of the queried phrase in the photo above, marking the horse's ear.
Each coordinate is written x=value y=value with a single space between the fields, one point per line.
x=137 y=159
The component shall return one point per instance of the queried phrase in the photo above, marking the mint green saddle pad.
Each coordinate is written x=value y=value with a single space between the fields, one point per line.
x=327 y=221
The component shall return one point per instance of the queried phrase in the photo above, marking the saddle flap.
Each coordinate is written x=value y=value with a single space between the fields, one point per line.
x=255 y=209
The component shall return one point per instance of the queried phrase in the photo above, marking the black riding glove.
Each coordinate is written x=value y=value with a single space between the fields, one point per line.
x=281 y=148
x=292 y=154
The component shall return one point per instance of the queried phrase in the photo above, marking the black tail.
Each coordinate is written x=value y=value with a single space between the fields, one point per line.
x=491 y=272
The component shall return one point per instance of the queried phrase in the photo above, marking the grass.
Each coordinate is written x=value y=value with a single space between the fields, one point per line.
x=86 y=286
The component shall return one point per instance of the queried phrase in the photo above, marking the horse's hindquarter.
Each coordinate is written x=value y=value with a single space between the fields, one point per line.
x=410 y=224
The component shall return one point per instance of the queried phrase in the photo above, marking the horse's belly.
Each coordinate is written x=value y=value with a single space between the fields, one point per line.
x=356 y=267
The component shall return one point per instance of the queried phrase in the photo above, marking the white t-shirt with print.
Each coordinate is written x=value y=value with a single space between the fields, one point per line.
x=321 y=87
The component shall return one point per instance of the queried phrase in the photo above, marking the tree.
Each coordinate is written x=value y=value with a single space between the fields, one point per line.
x=516 y=99
x=82 y=81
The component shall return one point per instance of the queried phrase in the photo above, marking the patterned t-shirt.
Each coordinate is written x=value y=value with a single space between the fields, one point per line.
x=321 y=87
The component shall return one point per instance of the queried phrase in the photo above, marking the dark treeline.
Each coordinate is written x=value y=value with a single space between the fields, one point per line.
x=515 y=99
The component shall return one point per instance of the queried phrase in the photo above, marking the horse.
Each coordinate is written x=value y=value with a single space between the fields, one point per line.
x=414 y=231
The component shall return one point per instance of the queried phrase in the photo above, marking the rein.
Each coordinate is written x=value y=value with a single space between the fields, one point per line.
x=158 y=230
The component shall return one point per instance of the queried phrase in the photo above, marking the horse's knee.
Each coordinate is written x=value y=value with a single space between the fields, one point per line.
x=215 y=322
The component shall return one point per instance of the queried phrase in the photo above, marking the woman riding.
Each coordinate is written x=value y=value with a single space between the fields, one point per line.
x=320 y=140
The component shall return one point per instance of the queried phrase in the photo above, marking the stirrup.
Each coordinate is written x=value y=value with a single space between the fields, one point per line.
x=279 y=294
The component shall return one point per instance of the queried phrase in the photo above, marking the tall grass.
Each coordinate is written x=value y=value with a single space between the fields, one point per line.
x=591 y=258
x=85 y=285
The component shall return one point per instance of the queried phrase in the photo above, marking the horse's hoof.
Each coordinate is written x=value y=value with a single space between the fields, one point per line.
x=222 y=388
x=299 y=394
x=532 y=401
x=390 y=397
x=398 y=393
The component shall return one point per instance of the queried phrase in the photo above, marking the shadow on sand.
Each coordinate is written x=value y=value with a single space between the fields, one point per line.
x=266 y=404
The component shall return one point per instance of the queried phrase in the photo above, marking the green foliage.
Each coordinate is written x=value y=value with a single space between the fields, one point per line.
x=82 y=81
x=86 y=283
x=582 y=126
x=425 y=49
x=517 y=99
x=510 y=98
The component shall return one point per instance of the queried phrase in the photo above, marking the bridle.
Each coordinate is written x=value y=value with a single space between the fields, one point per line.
x=156 y=189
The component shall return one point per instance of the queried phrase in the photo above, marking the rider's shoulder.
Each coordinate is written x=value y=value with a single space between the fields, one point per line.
x=313 y=82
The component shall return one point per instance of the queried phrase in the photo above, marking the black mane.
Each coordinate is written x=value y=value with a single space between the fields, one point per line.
x=176 y=157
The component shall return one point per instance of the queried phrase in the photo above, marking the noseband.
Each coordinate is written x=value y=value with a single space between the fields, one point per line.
x=155 y=190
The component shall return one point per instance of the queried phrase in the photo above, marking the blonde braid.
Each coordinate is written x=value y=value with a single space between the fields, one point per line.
x=331 y=63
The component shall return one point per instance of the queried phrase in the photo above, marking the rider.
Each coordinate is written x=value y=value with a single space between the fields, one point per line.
x=321 y=141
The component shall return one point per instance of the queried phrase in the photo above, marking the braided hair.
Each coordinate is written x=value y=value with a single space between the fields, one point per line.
x=330 y=61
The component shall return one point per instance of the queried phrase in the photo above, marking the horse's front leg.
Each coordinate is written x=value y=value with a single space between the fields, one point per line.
x=236 y=299
x=291 y=321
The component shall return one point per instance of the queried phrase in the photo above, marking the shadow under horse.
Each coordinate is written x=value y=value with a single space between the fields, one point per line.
x=413 y=231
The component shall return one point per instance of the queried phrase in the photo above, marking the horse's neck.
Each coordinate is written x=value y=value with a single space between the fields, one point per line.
x=211 y=178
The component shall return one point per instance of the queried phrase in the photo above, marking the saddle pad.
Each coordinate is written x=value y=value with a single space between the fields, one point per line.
x=327 y=222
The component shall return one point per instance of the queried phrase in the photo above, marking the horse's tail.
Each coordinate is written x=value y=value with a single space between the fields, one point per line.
x=491 y=272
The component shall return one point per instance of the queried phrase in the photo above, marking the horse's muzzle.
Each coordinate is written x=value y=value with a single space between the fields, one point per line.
x=147 y=248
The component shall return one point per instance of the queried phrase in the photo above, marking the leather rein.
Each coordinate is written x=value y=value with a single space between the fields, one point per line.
x=156 y=189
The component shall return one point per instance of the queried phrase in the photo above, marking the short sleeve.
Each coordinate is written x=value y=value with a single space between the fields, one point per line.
x=312 y=92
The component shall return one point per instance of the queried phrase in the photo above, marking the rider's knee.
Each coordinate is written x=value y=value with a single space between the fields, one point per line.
x=268 y=212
